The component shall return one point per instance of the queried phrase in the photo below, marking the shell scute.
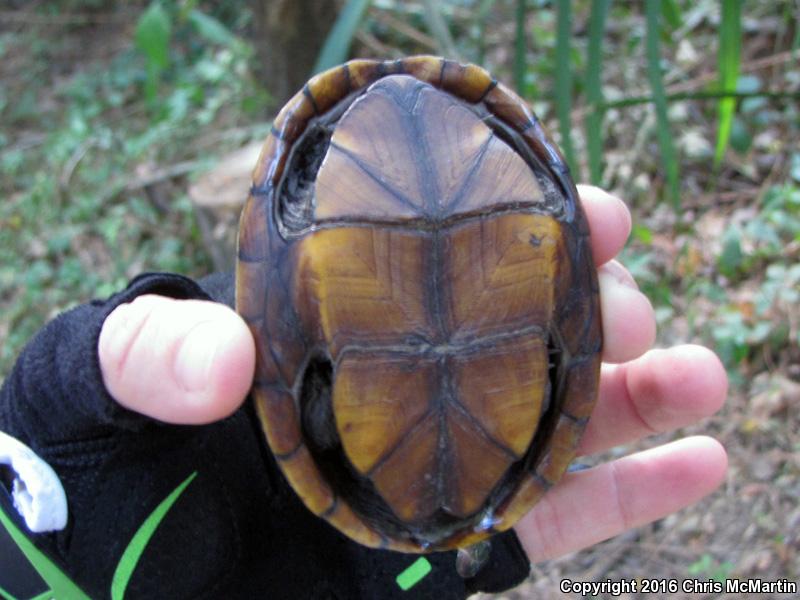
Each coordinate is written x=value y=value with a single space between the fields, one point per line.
x=469 y=82
x=504 y=390
x=276 y=408
x=362 y=285
x=373 y=414
x=500 y=279
x=330 y=86
x=509 y=107
x=425 y=68
x=293 y=119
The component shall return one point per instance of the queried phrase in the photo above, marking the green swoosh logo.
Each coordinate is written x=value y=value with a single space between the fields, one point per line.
x=61 y=586
x=139 y=541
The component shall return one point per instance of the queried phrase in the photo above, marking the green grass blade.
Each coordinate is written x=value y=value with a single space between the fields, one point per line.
x=671 y=13
x=563 y=81
x=520 y=46
x=796 y=42
x=594 y=91
x=439 y=29
x=337 y=44
x=730 y=37
x=668 y=156
x=707 y=95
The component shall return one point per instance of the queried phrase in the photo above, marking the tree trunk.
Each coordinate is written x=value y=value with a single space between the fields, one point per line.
x=288 y=37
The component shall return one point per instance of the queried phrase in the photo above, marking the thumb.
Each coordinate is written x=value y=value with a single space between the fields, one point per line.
x=178 y=361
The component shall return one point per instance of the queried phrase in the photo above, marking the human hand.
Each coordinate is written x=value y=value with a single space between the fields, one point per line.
x=189 y=361
x=642 y=392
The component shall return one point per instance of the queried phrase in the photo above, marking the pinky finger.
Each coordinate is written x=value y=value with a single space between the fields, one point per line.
x=590 y=506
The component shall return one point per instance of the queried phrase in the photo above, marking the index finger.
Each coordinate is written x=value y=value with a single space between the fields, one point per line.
x=609 y=222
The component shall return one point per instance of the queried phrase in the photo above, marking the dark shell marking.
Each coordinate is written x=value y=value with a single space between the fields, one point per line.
x=391 y=231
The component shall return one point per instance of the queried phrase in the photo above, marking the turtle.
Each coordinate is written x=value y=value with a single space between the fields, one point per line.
x=414 y=265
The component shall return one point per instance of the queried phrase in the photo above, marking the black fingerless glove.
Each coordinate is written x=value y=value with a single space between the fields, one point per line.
x=185 y=511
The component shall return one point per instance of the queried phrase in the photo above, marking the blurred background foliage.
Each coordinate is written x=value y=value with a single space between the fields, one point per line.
x=687 y=109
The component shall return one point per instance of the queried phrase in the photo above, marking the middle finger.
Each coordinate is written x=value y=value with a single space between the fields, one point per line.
x=661 y=391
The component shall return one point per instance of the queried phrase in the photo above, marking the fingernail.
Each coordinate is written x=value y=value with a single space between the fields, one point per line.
x=196 y=355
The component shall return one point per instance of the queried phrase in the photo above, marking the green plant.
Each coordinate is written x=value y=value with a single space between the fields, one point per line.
x=78 y=219
x=337 y=44
x=707 y=566
x=730 y=36
x=754 y=254
x=152 y=38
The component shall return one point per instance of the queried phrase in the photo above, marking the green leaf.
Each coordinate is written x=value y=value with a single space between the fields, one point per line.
x=671 y=13
x=520 y=47
x=702 y=565
x=152 y=39
x=594 y=91
x=730 y=39
x=642 y=233
x=337 y=45
x=152 y=35
x=794 y=169
x=741 y=140
x=732 y=257
x=563 y=82
x=652 y=10
x=211 y=29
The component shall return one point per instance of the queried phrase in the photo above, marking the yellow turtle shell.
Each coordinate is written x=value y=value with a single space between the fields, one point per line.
x=415 y=267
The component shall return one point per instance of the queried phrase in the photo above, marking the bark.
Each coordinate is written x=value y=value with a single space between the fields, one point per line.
x=288 y=37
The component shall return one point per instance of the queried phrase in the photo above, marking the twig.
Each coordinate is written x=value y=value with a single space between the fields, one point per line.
x=747 y=67
x=375 y=45
x=233 y=134
x=681 y=551
x=26 y=143
x=25 y=17
x=181 y=168
x=632 y=100
x=693 y=84
x=405 y=29
x=72 y=164
x=720 y=198
x=130 y=185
